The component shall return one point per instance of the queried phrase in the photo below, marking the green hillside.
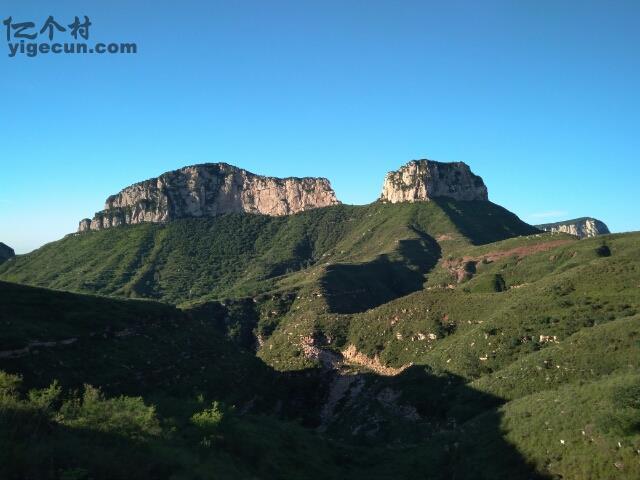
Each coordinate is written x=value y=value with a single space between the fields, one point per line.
x=563 y=318
x=124 y=346
x=433 y=340
x=236 y=255
x=149 y=391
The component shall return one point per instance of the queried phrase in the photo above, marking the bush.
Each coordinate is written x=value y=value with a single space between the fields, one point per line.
x=47 y=398
x=210 y=418
x=125 y=416
x=499 y=285
x=8 y=384
x=627 y=397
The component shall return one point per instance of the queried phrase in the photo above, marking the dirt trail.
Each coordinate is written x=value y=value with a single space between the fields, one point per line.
x=35 y=344
x=464 y=268
x=21 y=352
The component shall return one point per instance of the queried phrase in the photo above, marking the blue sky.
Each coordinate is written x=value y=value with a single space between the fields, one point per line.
x=541 y=98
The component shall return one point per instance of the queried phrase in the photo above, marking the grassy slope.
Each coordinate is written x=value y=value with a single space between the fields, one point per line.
x=555 y=389
x=236 y=255
x=557 y=292
x=130 y=346
x=487 y=350
x=177 y=363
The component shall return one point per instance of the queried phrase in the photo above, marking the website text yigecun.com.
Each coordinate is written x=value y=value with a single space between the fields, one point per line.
x=32 y=49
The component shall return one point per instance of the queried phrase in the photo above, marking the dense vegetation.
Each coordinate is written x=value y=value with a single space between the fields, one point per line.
x=235 y=255
x=436 y=340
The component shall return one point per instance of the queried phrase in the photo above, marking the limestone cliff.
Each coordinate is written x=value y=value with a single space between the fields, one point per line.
x=208 y=190
x=581 y=227
x=6 y=252
x=423 y=180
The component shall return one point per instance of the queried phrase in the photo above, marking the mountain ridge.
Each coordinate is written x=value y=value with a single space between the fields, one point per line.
x=209 y=189
x=582 y=227
x=6 y=253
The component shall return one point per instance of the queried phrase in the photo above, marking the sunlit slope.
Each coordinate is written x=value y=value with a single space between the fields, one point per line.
x=559 y=299
x=234 y=255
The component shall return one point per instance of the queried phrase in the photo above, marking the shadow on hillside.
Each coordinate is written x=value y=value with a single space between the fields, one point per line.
x=454 y=431
x=418 y=424
x=351 y=288
x=415 y=425
x=55 y=451
x=484 y=222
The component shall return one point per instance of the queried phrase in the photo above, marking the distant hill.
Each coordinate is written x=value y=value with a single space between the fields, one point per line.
x=6 y=252
x=580 y=227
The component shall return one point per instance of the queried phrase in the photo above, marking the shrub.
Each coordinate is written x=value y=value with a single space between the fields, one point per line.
x=125 y=416
x=46 y=399
x=210 y=418
x=627 y=397
x=9 y=383
x=499 y=285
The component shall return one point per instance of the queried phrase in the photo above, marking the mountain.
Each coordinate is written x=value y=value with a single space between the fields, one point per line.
x=208 y=190
x=382 y=248
x=6 y=253
x=510 y=365
x=583 y=227
x=423 y=180
x=420 y=336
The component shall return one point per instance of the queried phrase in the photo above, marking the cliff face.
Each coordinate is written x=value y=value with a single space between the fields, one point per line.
x=208 y=190
x=423 y=180
x=580 y=227
x=6 y=252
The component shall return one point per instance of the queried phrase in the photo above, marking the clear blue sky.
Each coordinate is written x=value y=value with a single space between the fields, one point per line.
x=541 y=98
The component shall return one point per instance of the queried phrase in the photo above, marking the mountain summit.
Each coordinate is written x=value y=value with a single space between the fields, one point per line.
x=580 y=227
x=423 y=180
x=6 y=252
x=212 y=189
x=207 y=190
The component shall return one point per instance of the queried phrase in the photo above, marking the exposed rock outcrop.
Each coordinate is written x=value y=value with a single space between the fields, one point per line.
x=6 y=252
x=352 y=355
x=580 y=227
x=423 y=180
x=208 y=190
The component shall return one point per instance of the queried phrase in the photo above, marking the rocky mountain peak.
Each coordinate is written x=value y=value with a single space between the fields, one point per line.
x=423 y=180
x=6 y=252
x=207 y=190
x=580 y=227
